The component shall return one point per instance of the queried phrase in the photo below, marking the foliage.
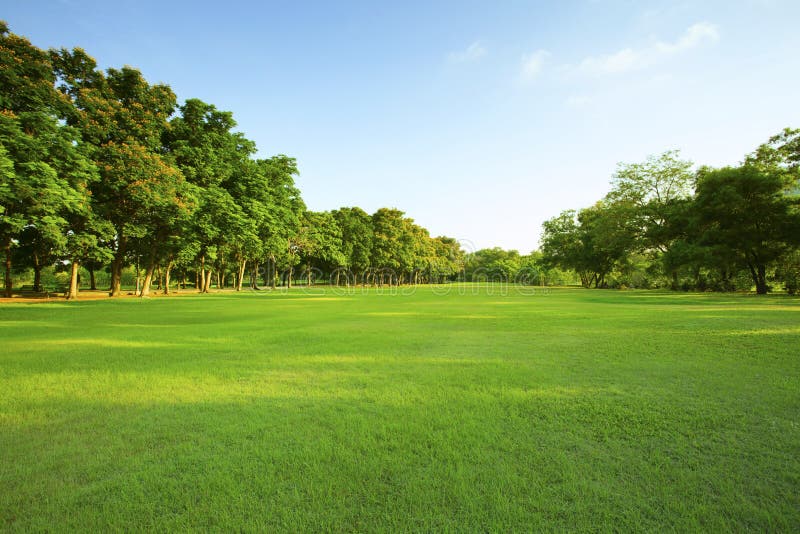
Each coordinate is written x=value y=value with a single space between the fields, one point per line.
x=652 y=231
x=744 y=212
x=96 y=166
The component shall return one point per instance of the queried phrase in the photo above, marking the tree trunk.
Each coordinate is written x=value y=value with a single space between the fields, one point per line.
x=116 y=276
x=240 y=279
x=72 y=292
x=308 y=275
x=167 y=269
x=116 y=267
x=37 y=274
x=759 y=274
x=584 y=280
x=201 y=275
x=207 y=284
x=674 y=280
x=8 y=287
x=148 y=278
x=289 y=278
x=273 y=271
x=92 y=281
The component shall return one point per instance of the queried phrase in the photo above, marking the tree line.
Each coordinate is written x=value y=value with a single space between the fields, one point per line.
x=664 y=225
x=101 y=168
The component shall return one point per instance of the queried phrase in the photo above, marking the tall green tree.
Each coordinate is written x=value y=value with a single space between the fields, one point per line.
x=647 y=193
x=392 y=245
x=123 y=118
x=321 y=242
x=746 y=212
x=357 y=237
x=591 y=242
x=279 y=231
x=214 y=159
x=449 y=259
x=42 y=169
x=493 y=264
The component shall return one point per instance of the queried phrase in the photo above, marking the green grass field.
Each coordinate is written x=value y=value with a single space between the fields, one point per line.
x=578 y=409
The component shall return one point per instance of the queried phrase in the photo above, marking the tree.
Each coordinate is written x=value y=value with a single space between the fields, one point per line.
x=122 y=118
x=392 y=245
x=746 y=212
x=285 y=210
x=781 y=151
x=561 y=244
x=321 y=242
x=215 y=160
x=42 y=169
x=646 y=194
x=357 y=237
x=449 y=259
x=592 y=242
x=493 y=264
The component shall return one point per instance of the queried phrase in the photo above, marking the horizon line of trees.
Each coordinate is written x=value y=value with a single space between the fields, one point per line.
x=99 y=169
x=664 y=225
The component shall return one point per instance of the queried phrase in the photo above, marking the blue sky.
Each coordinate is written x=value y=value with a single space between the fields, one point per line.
x=478 y=119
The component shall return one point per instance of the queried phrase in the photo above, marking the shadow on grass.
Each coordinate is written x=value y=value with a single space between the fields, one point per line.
x=510 y=461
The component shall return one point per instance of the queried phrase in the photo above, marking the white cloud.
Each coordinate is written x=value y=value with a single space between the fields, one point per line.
x=694 y=36
x=629 y=59
x=473 y=52
x=533 y=63
x=625 y=59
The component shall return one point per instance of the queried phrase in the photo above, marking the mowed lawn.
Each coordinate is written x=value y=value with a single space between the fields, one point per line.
x=480 y=411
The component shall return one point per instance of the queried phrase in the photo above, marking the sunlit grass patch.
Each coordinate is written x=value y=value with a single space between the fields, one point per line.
x=589 y=410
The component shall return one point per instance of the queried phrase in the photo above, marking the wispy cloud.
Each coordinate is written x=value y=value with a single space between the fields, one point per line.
x=691 y=38
x=629 y=59
x=533 y=63
x=473 y=52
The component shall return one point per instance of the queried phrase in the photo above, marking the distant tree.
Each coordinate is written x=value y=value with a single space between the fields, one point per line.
x=321 y=243
x=493 y=264
x=782 y=150
x=215 y=160
x=423 y=253
x=592 y=242
x=250 y=189
x=38 y=246
x=357 y=237
x=392 y=247
x=531 y=270
x=646 y=193
x=788 y=271
x=286 y=208
x=449 y=259
x=562 y=245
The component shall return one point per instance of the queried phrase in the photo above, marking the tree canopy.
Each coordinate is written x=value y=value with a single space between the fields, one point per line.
x=103 y=167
